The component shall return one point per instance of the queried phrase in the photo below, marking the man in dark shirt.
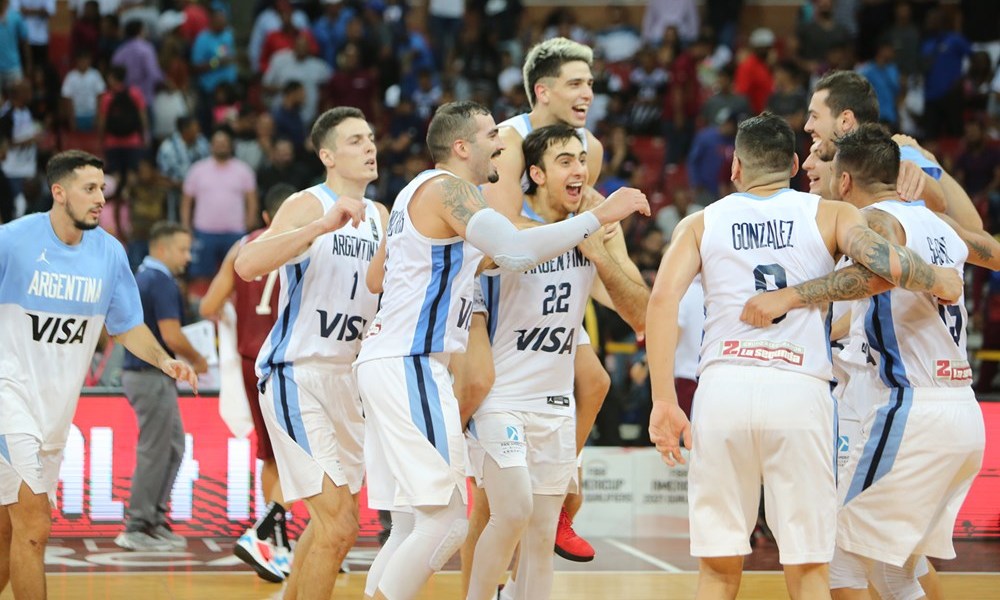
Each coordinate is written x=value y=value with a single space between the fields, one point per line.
x=153 y=395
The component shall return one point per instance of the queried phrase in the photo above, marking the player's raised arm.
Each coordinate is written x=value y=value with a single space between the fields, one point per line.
x=299 y=221
x=668 y=425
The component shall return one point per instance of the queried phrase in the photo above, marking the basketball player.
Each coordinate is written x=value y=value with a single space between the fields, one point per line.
x=559 y=85
x=308 y=394
x=256 y=304
x=916 y=374
x=424 y=317
x=521 y=439
x=841 y=101
x=763 y=410
x=62 y=280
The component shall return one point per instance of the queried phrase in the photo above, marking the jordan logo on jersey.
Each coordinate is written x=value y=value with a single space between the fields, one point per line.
x=41 y=257
x=939 y=251
x=58 y=330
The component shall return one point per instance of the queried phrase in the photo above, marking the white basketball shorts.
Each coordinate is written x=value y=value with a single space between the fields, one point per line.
x=22 y=460
x=414 y=413
x=543 y=443
x=923 y=448
x=753 y=424
x=314 y=418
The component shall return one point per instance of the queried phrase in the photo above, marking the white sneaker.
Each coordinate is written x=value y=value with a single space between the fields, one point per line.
x=259 y=554
x=140 y=541
x=283 y=558
x=164 y=533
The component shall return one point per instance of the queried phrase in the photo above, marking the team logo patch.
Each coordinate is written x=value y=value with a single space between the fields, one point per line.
x=843 y=444
x=953 y=370
x=764 y=350
x=513 y=434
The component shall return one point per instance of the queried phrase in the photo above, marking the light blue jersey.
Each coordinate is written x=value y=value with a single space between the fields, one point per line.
x=927 y=166
x=54 y=300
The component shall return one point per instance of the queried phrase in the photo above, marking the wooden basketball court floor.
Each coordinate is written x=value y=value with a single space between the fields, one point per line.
x=642 y=569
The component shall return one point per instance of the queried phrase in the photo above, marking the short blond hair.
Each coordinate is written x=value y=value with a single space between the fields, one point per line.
x=547 y=58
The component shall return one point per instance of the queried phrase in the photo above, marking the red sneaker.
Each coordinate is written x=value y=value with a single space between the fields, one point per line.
x=568 y=544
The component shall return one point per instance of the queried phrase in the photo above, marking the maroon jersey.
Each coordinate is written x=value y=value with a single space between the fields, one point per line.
x=256 y=308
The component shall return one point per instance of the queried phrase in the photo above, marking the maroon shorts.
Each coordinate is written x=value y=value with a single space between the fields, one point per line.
x=264 y=451
x=685 y=393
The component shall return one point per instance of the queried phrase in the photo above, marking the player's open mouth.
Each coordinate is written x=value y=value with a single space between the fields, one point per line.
x=574 y=190
x=581 y=110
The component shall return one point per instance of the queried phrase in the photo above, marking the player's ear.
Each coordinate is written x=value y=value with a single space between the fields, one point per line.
x=736 y=170
x=795 y=164
x=845 y=183
x=326 y=157
x=536 y=174
x=460 y=148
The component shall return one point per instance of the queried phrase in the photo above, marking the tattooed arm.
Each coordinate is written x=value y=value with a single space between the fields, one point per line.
x=875 y=272
x=984 y=249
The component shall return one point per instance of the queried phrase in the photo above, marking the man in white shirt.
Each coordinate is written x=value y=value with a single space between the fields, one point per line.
x=36 y=15
x=81 y=88
x=297 y=65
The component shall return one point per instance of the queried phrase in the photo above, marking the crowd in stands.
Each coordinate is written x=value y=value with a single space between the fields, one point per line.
x=197 y=116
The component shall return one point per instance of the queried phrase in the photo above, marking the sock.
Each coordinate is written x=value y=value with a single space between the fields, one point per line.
x=264 y=526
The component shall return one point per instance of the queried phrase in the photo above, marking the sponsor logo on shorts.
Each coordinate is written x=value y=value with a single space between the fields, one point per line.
x=843 y=444
x=764 y=350
x=953 y=370
x=513 y=434
x=514 y=444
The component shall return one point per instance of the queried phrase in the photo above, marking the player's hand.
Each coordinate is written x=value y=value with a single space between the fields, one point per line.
x=902 y=139
x=200 y=366
x=593 y=246
x=948 y=284
x=668 y=427
x=591 y=199
x=621 y=204
x=181 y=371
x=346 y=210
x=761 y=310
x=910 y=183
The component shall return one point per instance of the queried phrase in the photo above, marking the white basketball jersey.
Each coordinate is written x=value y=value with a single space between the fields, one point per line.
x=752 y=245
x=535 y=322
x=916 y=342
x=522 y=125
x=324 y=304
x=427 y=292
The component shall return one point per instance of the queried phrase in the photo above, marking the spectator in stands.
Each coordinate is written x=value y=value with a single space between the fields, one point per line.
x=138 y=57
x=819 y=34
x=905 y=37
x=287 y=115
x=621 y=165
x=660 y=14
x=976 y=84
x=753 y=74
x=181 y=150
x=427 y=96
x=330 y=30
x=298 y=64
x=269 y=20
x=711 y=153
x=883 y=74
x=618 y=40
x=977 y=168
x=111 y=38
x=683 y=99
x=80 y=90
x=145 y=194
x=943 y=51
x=444 y=24
x=196 y=19
x=725 y=98
x=723 y=16
x=414 y=49
x=284 y=37
x=254 y=137
x=12 y=35
x=789 y=98
x=283 y=169
x=175 y=154
x=36 y=15
x=648 y=81
x=670 y=215
x=86 y=30
x=220 y=204
x=169 y=104
x=175 y=52
x=353 y=85
x=17 y=121
x=122 y=125
x=214 y=57
x=226 y=103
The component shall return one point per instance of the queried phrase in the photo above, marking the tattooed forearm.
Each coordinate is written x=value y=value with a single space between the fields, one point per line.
x=894 y=263
x=850 y=283
x=981 y=249
x=461 y=198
